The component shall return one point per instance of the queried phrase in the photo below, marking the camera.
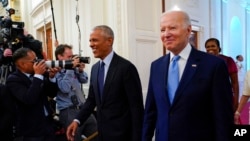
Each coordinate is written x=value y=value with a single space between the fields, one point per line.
x=10 y=30
x=85 y=60
x=67 y=64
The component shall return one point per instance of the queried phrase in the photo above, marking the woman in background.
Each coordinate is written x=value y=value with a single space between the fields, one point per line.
x=212 y=46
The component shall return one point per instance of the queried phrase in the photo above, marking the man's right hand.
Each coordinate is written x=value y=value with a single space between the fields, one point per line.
x=56 y=43
x=71 y=130
x=39 y=67
x=75 y=61
x=7 y=52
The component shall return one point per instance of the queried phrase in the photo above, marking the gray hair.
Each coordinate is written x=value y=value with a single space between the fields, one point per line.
x=106 y=30
x=186 y=17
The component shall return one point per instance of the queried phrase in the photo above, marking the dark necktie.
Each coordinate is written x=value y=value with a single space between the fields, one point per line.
x=173 y=78
x=31 y=77
x=101 y=78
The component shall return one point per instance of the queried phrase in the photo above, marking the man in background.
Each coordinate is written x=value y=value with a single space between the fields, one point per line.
x=30 y=86
x=70 y=97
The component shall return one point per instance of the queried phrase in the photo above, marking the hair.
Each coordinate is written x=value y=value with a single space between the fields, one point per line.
x=29 y=41
x=217 y=42
x=186 y=18
x=61 y=48
x=106 y=30
x=20 y=53
x=238 y=56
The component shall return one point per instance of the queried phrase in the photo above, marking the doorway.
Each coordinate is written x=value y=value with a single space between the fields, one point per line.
x=49 y=44
x=45 y=35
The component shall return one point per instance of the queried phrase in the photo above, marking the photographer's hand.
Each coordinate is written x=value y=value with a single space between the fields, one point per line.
x=39 y=67
x=53 y=71
x=56 y=43
x=75 y=61
x=81 y=67
x=7 y=52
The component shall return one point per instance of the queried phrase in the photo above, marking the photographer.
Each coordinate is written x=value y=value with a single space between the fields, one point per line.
x=70 y=97
x=30 y=86
x=12 y=37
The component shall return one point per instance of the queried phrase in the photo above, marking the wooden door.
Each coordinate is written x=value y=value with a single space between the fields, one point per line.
x=49 y=44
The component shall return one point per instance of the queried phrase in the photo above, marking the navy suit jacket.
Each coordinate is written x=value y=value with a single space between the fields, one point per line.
x=120 y=110
x=202 y=107
x=29 y=99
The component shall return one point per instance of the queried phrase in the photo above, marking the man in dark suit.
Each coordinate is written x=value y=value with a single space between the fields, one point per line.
x=200 y=109
x=6 y=115
x=29 y=87
x=120 y=103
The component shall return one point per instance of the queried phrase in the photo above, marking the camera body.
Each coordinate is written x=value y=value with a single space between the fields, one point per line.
x=85 y=60
x=67 y=64
x=10 y=30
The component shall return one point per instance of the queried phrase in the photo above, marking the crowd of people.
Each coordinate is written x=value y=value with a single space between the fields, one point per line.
x=192 y=95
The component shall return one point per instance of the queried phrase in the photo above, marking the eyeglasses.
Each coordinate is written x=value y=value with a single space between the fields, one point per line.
x=33 y=61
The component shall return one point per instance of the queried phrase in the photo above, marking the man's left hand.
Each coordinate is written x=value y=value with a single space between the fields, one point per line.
x=53 y=71
x=81 y=67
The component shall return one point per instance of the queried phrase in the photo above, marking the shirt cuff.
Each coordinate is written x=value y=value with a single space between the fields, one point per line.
x=39 y=76
x=52 y=80
x=76 y=120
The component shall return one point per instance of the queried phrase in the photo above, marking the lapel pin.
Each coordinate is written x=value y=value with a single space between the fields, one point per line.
x=194 y=65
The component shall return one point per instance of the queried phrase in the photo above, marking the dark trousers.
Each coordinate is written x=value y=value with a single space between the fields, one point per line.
x=67 y=115
x=7 y=135
x=42 y=138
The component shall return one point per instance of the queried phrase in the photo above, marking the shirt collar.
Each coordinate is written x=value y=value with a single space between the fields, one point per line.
x=28 y=75
x=184 y=54
x=107 y=59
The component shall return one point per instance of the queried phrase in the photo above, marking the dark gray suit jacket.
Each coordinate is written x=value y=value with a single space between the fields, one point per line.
x=29 y=99
x=120 y=111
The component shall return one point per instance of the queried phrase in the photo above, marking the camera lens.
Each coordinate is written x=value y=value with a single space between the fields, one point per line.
x=85 y=60
x=67 y=64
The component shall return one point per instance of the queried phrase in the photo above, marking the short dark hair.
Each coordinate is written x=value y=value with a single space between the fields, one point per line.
x=238 y=56
x=60 y=49
x=20 y=53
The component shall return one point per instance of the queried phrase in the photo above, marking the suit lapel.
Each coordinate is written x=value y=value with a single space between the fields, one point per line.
x=164 y=69
x=95 y=80
x=189 y=71
x=109 y=77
